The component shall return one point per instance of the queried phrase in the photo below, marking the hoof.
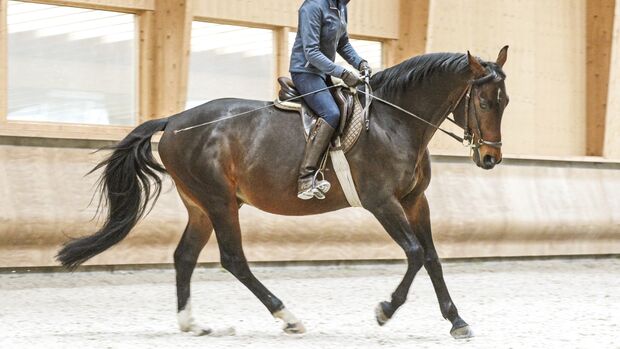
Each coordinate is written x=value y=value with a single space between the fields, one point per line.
x=294 y=328
x=223 y=332
x=291 y=324
x=462 y=332
x=380 y=315
x=199 y=331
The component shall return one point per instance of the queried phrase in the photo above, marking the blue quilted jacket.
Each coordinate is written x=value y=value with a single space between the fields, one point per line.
x=321 y=33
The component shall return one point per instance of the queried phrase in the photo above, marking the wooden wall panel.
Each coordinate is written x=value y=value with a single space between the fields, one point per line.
x=369 y=18
x=546 y=67
x=612 y=122
x=171 y=27
x=3 y=62
x=600 y=21
x=413 y=29
x=375 y=19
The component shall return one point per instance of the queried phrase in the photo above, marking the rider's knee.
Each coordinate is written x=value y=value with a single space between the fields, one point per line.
x=332 y=118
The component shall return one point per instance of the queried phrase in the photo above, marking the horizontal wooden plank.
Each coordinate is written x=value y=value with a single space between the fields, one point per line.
x=109 y=5
x=367 y=18
x=66 y=131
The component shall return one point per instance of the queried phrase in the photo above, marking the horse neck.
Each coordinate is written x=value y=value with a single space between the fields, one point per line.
x=430 y=101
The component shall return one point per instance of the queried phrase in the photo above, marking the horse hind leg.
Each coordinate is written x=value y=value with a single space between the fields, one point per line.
x=195 y=237
x=225 y=218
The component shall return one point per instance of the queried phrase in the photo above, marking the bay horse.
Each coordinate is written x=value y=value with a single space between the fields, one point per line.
x=254 y=160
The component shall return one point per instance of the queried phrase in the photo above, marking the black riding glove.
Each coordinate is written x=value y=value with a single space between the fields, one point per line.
x=351 y=78
x=365 y=69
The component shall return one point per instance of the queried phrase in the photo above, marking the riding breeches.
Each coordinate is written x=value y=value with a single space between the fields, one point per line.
x=322 y=103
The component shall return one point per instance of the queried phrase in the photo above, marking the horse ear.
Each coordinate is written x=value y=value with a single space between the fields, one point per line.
x=502 y=57
x=475 y=66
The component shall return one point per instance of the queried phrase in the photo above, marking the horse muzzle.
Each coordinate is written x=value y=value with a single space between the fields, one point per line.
x=487 y=160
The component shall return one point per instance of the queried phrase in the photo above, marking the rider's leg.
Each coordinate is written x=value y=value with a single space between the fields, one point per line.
x=325 y=106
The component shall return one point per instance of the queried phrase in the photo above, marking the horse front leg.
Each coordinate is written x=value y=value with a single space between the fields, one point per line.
x=418 y=215
x=392 y=217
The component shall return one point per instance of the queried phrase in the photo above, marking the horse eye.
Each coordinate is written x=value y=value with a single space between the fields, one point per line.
x=484 y=104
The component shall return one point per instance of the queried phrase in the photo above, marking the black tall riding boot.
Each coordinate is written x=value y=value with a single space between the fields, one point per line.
x=316 y=146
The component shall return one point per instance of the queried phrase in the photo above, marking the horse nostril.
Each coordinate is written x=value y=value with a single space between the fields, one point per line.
x=489 y=161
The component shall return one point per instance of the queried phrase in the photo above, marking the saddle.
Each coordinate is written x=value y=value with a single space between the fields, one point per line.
x=351 y=111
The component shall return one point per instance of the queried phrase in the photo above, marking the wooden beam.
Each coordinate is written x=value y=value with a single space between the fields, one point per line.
x=171 y=27
x=146 y=65
x=412 y=30
x=281 y=53
x=3 y=62
x=612 y=121
x=64 y=131
x=600 y=22
x=130 y=6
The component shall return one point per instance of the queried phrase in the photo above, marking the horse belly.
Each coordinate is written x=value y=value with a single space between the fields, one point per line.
x=268 y=177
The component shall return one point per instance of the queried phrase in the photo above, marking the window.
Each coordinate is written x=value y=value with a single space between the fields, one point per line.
x=230 y=61
x=70 y=65
x=372 y=51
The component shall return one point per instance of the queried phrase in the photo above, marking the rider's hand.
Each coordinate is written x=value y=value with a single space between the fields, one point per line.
x=365 y=69
x=352 y=79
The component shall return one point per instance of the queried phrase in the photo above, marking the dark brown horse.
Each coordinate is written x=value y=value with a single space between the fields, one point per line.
x=254 y=160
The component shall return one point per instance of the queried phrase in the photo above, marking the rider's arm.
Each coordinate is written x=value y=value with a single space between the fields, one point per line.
x=346 y=51
x=310 y=21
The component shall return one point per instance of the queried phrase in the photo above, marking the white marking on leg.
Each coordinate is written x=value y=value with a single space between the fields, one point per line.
x=186 y=320
x=187 y=324
x=291 y=324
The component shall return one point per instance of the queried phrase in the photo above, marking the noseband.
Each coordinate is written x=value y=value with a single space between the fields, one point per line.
x=468 y=137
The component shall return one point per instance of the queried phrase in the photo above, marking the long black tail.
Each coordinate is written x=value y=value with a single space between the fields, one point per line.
x=130 y=180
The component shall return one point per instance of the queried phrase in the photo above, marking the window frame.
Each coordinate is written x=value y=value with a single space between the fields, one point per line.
x=138 y=8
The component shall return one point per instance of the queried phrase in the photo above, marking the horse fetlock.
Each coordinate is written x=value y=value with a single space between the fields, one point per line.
x=292 y=325
x=187 y=324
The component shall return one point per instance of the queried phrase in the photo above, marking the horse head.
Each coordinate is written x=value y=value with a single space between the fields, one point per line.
x=483 y=106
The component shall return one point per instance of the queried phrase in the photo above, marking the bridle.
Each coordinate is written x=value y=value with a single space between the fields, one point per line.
x=468 y=136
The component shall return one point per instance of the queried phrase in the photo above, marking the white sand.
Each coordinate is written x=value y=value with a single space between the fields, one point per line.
x=524 y=304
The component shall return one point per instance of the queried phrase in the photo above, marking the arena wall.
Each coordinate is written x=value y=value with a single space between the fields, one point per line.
x=523 y=207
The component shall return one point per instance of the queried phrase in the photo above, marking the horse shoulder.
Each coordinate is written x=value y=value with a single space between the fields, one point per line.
x=422 y=176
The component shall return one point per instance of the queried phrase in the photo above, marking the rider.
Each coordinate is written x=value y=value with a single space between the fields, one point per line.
x=322 y=31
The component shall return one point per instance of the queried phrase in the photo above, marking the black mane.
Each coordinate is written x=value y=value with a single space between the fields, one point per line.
x=418 y=69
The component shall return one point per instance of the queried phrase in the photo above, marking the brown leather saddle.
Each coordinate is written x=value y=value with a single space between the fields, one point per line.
x=351 y=111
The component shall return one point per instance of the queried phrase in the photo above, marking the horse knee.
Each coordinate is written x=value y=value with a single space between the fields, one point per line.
x=415 y=255
x=236 y=266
